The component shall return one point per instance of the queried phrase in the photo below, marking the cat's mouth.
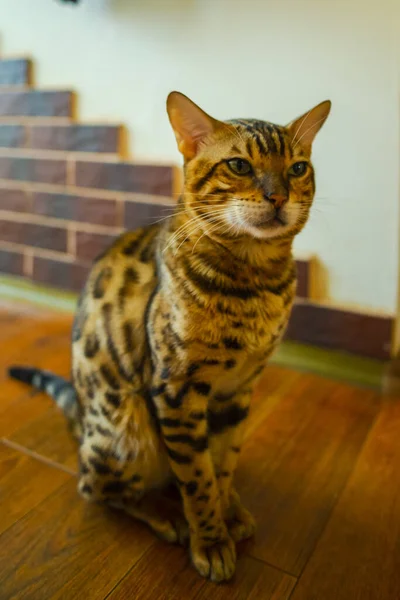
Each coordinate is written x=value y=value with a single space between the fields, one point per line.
x=259 y=221
x=271 y=221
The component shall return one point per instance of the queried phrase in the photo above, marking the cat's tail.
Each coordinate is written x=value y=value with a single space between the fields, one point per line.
x=61 y=390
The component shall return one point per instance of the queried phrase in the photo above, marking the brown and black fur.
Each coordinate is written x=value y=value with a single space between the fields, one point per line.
x=175 y=325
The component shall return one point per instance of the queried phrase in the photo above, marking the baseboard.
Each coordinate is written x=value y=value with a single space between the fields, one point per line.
x=358 y=333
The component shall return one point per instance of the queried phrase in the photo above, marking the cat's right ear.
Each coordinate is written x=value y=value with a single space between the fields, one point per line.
x=191 y=125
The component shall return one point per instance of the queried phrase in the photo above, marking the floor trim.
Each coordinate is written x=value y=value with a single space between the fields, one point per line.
x=14 y=288
x=330 y=327
x=357 y=370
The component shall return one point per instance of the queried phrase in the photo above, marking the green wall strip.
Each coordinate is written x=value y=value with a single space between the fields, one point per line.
x=13 y=288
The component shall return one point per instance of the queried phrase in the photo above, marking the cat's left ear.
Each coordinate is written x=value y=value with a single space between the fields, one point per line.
x=304 y=129
x=191 y=125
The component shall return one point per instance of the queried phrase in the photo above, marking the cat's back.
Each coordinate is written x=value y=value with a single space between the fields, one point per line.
x=123 y=270
x=109 y=322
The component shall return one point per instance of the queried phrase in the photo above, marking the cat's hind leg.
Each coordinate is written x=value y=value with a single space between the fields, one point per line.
x=128 y=473
x=161 y=515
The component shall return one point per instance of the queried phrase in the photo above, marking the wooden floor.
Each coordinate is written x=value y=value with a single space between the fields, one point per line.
x=320 y=471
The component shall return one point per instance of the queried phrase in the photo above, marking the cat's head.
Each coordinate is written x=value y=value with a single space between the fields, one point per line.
x=245 y=176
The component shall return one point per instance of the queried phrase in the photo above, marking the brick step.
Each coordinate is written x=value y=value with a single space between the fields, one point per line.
x=36 y=103
x=156 y=180
x=15 y=71
x=64 y=272
x=86 y=210
x=65 y=138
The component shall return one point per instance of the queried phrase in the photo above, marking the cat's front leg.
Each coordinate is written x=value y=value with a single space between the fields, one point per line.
x=182 y=414
x=241 y=524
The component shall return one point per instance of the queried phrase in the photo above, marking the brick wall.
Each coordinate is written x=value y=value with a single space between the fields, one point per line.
x=65 y=189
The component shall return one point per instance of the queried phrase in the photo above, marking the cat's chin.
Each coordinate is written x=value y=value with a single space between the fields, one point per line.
x=274 y=228
x=260 y=226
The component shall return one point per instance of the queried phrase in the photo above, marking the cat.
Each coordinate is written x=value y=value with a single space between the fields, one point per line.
x=175 y=325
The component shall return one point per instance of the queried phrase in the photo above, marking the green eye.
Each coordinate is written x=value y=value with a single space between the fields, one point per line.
x=239 y=166
x=298 y=169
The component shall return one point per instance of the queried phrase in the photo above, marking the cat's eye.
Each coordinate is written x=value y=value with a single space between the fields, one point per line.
x=298 y=169
x=239 y=166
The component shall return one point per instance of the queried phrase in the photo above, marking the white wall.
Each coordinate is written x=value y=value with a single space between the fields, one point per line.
x=272 y=59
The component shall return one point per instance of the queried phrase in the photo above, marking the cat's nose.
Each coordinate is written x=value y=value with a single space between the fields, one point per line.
x=277 y=200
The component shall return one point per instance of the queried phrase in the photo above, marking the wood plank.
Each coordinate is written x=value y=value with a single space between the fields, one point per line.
x=16 y=410
x=304 y=438
x=169 y=575
x=48 y=436
x=358 y=556
x=43 y=350
x=23 y=334
x=28 y=418
x=25 y=328
x=9 y=325
x=24 y=483
x=296 y=463
x=275 y=382
x=19 y=403
x=66 y=548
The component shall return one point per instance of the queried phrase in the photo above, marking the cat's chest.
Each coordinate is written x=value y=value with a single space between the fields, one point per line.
x=258 y=329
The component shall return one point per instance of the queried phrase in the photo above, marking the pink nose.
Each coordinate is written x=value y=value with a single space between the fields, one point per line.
x=277 y=200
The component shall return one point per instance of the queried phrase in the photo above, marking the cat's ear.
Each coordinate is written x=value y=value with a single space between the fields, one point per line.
x=191 y=125
x=304 y=129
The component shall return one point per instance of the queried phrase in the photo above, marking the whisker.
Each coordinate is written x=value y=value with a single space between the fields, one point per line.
x=176 y=233
x=187 y=232
x=300 y=126
x=187 y=235
x=307 y=130
x=216 y=226
x=211 y=210
x=207 y=195
x=235 y=131
x=181 y=231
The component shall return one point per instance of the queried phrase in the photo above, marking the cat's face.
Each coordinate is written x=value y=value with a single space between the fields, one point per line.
x=246 y=177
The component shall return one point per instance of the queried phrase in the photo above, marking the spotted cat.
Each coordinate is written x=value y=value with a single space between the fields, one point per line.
x=175 y=325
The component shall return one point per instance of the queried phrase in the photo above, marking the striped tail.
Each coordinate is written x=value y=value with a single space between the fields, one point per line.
x=61 y=390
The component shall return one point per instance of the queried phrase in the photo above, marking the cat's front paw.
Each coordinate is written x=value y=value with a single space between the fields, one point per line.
x=242 y=525
x=240 y=522
x=173 y=531
x=216 y=561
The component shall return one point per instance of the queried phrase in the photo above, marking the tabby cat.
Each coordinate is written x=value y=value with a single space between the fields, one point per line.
x=175 y=325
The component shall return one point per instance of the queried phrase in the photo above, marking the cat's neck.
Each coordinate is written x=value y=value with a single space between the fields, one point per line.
x=186 y=234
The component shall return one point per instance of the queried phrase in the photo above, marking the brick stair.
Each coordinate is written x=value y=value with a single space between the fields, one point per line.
x=66 y=189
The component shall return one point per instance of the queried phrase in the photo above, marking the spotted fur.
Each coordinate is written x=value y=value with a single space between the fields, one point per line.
x=175 y=325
